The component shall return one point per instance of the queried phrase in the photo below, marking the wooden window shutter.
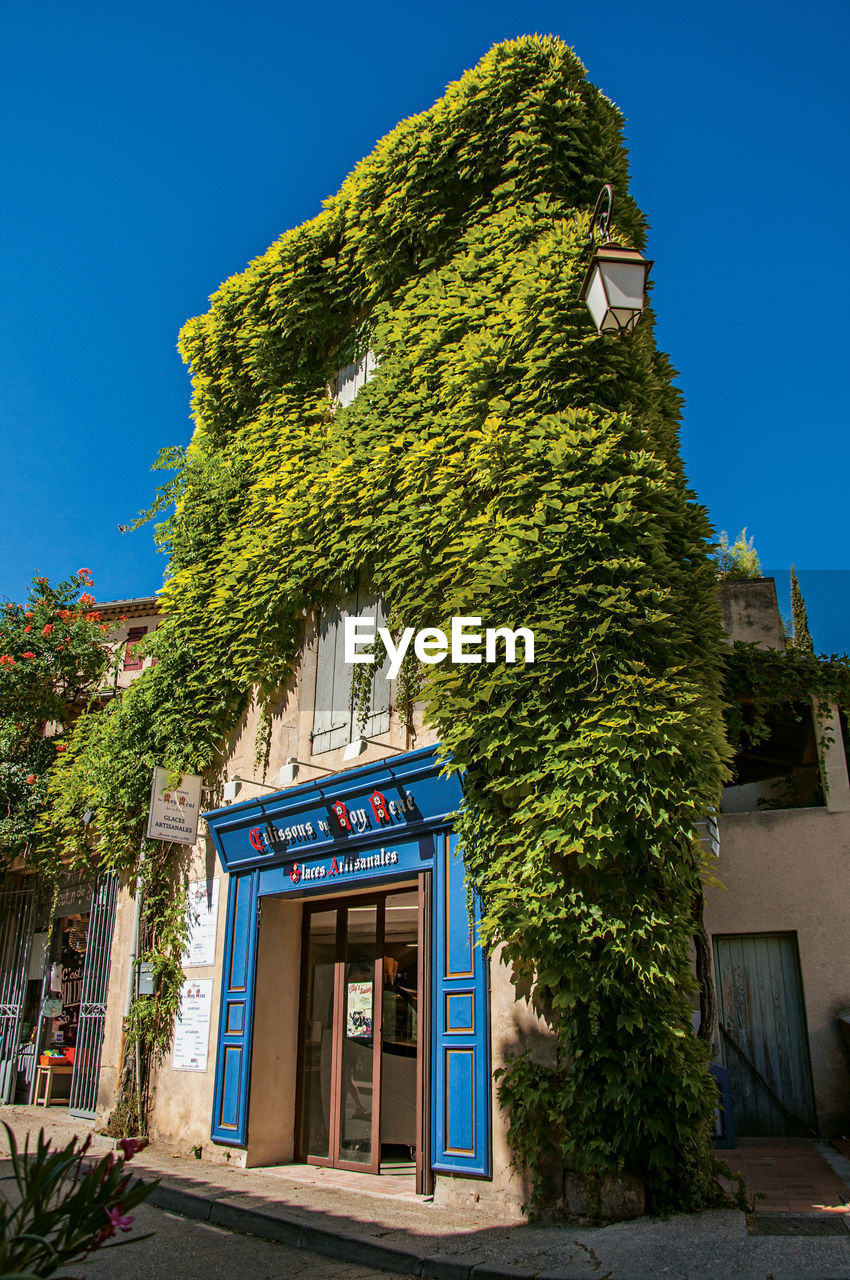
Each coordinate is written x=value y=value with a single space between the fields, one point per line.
x=132 y=660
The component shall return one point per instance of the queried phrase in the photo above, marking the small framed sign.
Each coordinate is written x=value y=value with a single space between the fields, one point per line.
x=174 y=811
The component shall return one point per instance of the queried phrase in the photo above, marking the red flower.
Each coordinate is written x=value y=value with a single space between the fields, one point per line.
x=129 y=1147
x=120 y=1220
x=92 y=617
x=6 y=660
x=27 y=629
x=84 y=573
x=86 y=600
x=60 y=746
x=28 y=654
x=47 y=629
x=31 y=779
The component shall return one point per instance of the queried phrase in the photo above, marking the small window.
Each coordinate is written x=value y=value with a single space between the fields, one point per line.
x=335 y=721
x=782 y=770
x=354 y=376
x=133 y=660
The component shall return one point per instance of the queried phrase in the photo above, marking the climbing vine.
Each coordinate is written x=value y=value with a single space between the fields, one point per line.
x=504 y=461
x=764 y=680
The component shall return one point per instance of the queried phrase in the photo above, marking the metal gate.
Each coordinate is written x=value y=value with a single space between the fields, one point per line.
x=84 y=1081
x=763 y=1035
x=17 y=908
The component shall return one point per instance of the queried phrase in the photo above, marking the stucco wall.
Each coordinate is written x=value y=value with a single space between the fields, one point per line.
x=789 y=871
x=749 y=611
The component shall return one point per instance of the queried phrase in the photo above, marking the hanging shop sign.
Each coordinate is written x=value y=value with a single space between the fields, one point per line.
x=51 y=1007
x=192 y=1029
x=174 y=811
x=320 y=828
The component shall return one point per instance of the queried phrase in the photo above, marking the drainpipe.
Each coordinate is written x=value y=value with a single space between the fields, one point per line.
x=134 y=943
x=132 y=971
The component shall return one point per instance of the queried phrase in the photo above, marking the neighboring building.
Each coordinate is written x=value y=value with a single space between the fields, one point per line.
x=779 y=925
x=133 y=620
x=64 y=946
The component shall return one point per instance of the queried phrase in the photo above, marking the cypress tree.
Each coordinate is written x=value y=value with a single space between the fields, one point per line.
x=800 y=637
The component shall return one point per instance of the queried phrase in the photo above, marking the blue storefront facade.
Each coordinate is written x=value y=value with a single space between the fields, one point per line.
x=379 y=835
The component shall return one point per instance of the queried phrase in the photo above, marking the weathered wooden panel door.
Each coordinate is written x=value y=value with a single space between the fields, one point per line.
x=763 y=1034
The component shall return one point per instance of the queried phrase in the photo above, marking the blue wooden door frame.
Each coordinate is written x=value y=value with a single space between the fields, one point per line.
x=460 y=1096
x=460 y=1041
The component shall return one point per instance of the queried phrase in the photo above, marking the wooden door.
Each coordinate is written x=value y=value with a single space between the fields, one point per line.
x=763 y=1034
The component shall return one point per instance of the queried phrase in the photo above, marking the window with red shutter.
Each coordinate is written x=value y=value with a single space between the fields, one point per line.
x=132 y=659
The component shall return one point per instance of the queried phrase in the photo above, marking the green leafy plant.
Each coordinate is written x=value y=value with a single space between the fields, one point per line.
x=738 y=560
x=64 y=1206
x=54 y=657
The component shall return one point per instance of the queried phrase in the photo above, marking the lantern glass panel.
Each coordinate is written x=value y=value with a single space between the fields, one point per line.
x=624 y=284
x=596 y=300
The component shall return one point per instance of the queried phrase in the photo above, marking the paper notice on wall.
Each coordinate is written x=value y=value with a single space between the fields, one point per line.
x=192 y=1029
x=358 y=1021
x=202 y=918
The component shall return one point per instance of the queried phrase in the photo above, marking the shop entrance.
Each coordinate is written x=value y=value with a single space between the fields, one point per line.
x=361 y=1049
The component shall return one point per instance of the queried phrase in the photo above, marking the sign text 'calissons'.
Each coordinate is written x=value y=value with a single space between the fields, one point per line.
x=342 y=820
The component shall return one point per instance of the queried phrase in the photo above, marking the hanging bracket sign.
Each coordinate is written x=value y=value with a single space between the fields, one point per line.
x=174 y=811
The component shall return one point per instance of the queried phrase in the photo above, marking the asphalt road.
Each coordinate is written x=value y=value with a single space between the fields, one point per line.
x=183 y=1249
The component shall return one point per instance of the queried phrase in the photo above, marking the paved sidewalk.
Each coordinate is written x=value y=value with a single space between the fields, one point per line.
x=402 y=1233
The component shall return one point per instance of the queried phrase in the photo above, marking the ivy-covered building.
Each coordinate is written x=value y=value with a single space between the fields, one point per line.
x=442 y=921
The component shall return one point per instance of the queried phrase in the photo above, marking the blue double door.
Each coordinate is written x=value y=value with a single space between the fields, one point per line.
x=394 y=1026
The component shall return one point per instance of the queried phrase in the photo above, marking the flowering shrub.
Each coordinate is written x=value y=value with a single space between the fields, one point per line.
x=65 y=1205
x=53 y=653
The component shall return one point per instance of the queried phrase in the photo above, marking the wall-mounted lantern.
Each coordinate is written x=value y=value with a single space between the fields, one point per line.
x=614 y=287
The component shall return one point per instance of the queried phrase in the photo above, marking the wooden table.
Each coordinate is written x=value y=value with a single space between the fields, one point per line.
x=44 y=1082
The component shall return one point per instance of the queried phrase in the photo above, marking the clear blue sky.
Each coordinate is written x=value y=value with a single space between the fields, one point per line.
x=150 y=151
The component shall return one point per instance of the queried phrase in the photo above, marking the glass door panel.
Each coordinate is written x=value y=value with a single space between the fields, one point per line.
x=400 y=1031
x=358 y=1085
x=360 y=1033
x=317 y=1060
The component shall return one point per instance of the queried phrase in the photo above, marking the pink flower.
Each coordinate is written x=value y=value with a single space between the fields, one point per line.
x=118 y=1219
x=129 y=1147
